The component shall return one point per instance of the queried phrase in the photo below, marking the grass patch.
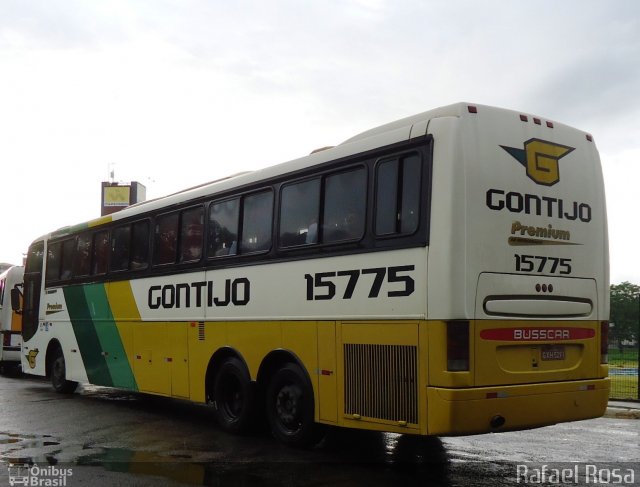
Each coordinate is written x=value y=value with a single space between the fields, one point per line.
x=623 y=386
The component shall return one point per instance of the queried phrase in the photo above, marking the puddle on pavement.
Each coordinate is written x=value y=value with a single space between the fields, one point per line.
x=24 y=442
x=377 y=459
x=15 y=449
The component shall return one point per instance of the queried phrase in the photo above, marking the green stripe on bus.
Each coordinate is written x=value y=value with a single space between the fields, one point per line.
x=87 y=337
x=110 y=340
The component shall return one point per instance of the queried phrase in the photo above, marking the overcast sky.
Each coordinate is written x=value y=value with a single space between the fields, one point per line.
x=175 y=93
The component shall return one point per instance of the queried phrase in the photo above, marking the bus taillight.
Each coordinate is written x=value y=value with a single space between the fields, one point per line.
x=604 y=342
x=457 y=346
x=6 y=339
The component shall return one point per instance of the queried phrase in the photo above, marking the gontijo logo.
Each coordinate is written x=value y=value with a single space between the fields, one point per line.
x=540 y=158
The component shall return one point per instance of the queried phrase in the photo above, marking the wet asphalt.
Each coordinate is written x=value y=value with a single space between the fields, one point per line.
x=100 y=436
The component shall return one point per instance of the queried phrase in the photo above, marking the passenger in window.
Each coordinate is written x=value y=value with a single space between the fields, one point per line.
x=192 y=238
x=312 y=232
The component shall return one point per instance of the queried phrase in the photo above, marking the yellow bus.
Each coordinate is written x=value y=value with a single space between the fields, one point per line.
x=442 y=274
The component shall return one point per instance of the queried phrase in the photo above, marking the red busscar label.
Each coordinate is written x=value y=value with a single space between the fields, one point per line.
x=521 y=334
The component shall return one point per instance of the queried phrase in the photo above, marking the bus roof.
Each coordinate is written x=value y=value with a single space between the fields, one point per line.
x=380 y=136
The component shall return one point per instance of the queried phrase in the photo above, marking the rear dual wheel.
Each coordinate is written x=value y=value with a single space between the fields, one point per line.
x=290 y=407
x=289 y=402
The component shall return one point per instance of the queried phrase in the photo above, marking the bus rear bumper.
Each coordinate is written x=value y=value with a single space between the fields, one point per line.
x=505 y=408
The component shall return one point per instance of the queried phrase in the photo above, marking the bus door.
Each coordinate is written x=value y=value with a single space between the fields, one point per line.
x=32 y=290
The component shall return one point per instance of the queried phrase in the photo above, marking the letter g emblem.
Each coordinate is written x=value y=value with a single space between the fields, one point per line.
x=540 y=158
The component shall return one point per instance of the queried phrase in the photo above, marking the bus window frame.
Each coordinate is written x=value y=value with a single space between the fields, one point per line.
x=322 y=176
x=180 y=250
x=424 y=207
x=79 y=238
x=241 y=227
x=209 y=236
x=368 y=242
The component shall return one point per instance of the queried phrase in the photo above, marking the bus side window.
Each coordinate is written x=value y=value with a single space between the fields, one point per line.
x=256 y=222
x=345 y=206
x=166 y=239
x=82 y=260
x=410 y=204
x=68 y=249
x=100 y=257
x=191 y=234
x=299 y=213
x=398 y=196
x=53 y=261
x=222 y=239
x=120 y=248
x=139 y=255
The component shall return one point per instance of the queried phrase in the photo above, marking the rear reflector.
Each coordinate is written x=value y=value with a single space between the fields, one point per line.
x=496 y=395
x=457 y=346
x=604 y=342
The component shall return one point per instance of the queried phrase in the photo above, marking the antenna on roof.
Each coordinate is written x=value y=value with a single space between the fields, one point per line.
x=111 y=171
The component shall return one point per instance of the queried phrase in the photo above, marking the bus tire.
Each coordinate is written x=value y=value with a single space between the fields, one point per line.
x=233 y=396
x=59 y=374
x=290 y=407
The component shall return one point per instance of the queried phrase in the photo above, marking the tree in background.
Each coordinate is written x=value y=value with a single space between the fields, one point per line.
x=625 y=309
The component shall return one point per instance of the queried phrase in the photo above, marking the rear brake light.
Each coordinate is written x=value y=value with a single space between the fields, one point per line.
x=6 y=339
x=604 y=342
x=457 y=346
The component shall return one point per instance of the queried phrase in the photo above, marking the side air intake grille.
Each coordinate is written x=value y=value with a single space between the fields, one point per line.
x=381 y=382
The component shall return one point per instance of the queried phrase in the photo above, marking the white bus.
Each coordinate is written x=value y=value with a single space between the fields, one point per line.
x=10 y=320
x=443 y=274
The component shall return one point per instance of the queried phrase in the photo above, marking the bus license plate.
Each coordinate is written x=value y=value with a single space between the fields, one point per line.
x=553 y=353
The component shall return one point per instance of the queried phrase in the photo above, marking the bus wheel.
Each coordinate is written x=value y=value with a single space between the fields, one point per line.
x=59 y=374
x=233 y=396
x=290 y=407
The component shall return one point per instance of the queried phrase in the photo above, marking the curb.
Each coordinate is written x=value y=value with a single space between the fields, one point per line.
x=622 y=413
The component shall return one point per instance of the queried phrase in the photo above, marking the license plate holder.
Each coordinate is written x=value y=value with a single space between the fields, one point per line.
x=553 y=352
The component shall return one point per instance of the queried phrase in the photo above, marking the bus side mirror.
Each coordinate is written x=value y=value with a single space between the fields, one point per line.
x=15 y=300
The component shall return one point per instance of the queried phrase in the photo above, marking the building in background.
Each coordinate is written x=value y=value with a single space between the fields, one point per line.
x=116 y=196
